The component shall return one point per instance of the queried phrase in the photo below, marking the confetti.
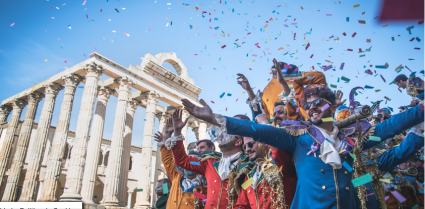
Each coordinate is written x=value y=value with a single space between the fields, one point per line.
x=398 y=196
x=330 y=119
x=346 y=166
x=362 y=180
x=12 y=24
x=354 y=34
x=247 y=183
x=362 y=21
x=375 y=138
x=195 y=163
x=199 y=195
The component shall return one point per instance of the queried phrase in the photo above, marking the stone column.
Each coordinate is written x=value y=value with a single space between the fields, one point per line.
x=122 y=188
x=129 y=199
x=142 y=198
x=6 y=149
x=185 y=115
x=196 y=131
x=90 y=169
x=202 y=131
x=4 y=113
x=54 y=162
x=113 y=172
x=78 y=155
x=162 y=121
x=10 y=192
x=34 y=159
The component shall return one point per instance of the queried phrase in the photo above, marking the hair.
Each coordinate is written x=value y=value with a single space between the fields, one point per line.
x=207 y=141
x=193 y=152
x=400 y=77
x=320 y=91
x=279 y=103
x=243 y=117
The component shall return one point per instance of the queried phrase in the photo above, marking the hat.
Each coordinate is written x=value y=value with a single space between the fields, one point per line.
x=286 y=69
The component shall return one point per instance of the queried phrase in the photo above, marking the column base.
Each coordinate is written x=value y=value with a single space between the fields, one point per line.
x=142 y=206
x=88 y=202
x=69 y=197
x=45 y=200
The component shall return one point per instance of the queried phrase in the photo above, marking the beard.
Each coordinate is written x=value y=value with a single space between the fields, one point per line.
x=326 y=114
x=228 y=147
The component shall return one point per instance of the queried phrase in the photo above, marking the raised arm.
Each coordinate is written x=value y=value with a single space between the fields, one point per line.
x=266 y=134
x=253 y=100
x=180 y=157
x=166 y=156
x=280 y=79
x=396 y=124
x=400 y=154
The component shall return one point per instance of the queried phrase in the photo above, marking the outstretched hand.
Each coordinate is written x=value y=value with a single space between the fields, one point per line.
x=169 y=129
x=338 y=98
x=159 y=137
x=204 y=113
x=243 y=81
x=178 y=123
x=279 y=74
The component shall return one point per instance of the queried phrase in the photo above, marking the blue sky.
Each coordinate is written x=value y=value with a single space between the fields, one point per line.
x=36 y=36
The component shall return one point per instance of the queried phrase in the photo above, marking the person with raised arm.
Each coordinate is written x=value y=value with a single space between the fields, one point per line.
x=289 y=85
x=219 y=169
x=320 y=148
x=183 y=181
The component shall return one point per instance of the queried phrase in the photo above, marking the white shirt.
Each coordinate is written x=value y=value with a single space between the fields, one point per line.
x=224 y=165
x=330 y=150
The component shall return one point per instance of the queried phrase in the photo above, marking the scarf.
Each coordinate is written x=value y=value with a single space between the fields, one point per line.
x=330 y=147
x=189 y=183
x=256 y=177
x=224 y=166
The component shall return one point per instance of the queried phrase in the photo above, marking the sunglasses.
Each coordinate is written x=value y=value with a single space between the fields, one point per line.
x=316 y=103
x=249 y=144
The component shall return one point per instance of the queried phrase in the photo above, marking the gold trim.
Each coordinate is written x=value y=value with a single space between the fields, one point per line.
x=337 y=189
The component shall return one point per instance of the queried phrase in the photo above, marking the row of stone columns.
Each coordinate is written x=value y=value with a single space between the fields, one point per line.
x=82 y=168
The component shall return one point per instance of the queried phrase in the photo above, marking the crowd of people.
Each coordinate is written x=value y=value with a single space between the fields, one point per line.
x=303 y=148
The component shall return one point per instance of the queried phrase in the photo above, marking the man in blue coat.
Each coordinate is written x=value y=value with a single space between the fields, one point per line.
x=320 y=149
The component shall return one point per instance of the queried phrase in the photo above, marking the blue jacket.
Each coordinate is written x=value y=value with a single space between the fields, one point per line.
x=319 y=185
x=393 y=157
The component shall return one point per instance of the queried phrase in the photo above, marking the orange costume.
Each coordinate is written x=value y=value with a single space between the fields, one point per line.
x=275 y=187
x=298 y=80
x=178 y=199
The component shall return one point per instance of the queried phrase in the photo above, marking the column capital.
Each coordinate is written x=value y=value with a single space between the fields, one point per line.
x=53 y=88
x=35 y=97
x=5 y=110
x=72 y=80
x=93 y=69
x=132 y=106
x=152 y=97
x=103 y=93
x=124 y=83
x=19 y=104
x=196 y=131
x=163 y=115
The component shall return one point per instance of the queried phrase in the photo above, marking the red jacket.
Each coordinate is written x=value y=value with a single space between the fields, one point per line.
x=218 y=197
x=257 y=198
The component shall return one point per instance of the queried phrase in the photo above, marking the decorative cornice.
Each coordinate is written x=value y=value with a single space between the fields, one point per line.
x=5 y=110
